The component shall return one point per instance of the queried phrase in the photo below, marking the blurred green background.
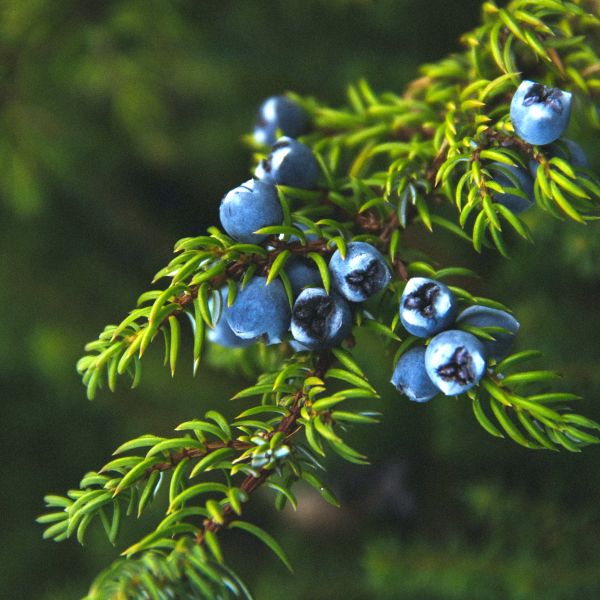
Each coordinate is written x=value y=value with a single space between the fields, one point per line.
x=120 y=127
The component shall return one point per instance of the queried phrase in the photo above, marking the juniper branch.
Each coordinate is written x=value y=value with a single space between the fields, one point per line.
x=389 y=162
x=288 y=427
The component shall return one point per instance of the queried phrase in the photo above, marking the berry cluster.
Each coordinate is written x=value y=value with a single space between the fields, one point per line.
x=261 y=310
x=454 y=360
x=317 y=320
x=459 y=347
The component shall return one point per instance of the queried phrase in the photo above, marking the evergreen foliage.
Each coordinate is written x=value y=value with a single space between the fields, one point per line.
x=391 y=162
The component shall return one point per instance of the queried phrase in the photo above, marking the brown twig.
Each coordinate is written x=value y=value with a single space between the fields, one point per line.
x=177 y=457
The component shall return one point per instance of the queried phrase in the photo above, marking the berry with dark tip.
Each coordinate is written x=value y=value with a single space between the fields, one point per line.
x=483 y=316
x=279 y=113
x=410 y=377
x=302 y=273
x=260 y=311
x=221 y=333
x=361 y=274
x=509 y=176
x=540 y=114
x=455 y=361
x=427 y=307
x=290 y=163
x=320 y=320
x=248 y=208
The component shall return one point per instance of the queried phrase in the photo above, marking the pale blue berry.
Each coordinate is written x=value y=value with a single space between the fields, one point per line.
x=410 y=376
x=540 y=114
x=279 y=113
x=361 y=274
x=248 y=208
x=427 y=307
x=221 y=333
x=290 y=163
x=320 y=320
x=455 y=361
x=302 y=273
x=260 y=311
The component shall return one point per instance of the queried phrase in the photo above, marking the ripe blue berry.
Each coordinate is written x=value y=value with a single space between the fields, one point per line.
x=302 y=274
x=221 y=333
x=410 y=377
x=248 y=208
x=427 y=307
x=290 y=163
x=513 y=177
x=482 y=316
x=260 y=310
x=567 y=149
x=361 y=274
x=320 y=320
x=540 y=114
x=279 y=113
x=455 y=361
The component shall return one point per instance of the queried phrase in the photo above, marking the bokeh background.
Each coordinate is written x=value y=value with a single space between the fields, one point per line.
x=120 y=130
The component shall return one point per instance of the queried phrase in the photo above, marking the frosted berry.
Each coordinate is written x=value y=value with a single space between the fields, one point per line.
x=279 y=113
x=248 y=208
x=260 y=311
x=361 y=274
x=320 y=320
x=410 y=377
x=455 y=361
x=540 y=114
x=290 y=163
x=302 y=273
x=427 y=307
x=221 y=333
